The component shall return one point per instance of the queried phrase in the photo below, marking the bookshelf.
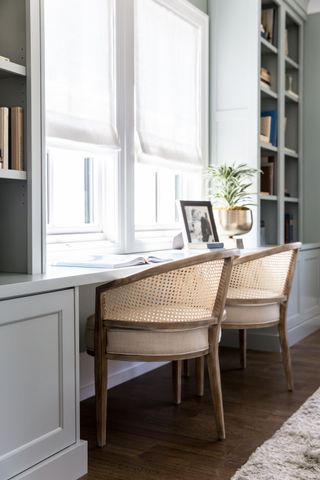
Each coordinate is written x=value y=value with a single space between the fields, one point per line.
x=256 y=72
x=279 y=213
x=20 y=86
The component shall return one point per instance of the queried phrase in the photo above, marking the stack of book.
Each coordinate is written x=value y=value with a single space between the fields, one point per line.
x=11 y=138
x=265 y=77
x=269 y=128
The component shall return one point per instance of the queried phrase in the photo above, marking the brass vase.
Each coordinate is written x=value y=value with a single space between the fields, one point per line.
x=235 y=221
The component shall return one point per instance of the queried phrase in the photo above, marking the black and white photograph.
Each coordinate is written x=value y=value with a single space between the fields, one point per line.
x=199 y=222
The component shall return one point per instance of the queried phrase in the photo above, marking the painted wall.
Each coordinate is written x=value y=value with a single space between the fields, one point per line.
x=201 y=4
x=313 y=6
x=311 y=161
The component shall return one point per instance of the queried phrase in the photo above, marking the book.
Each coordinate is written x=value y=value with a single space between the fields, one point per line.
x=273 y=139
x=16 y=138
x=288 y=228
x=4 y=137
x=264 y=139
x=267 y=179
x=109 y=261
x=269 y=176
x=268 y=23
x=265 y=127
x=286 y=42
x=265 y=75
x=263 y=84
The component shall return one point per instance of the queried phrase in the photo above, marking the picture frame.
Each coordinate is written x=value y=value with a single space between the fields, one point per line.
x=198 y=221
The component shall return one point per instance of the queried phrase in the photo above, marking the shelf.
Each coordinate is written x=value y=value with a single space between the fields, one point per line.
x=291 y=199
x=292 y=63
x=291 y=96
x=291 y=153
x=267 y=47
x=269 y=198
x=9 y=69
x=269 y=147
x=13 y=174
x=267 y=92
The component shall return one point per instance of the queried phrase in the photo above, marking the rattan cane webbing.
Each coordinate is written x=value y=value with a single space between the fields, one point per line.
x=182 y=295
x=264 y=277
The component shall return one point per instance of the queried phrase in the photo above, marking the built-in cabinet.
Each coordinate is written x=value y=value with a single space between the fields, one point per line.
x=39 y=383
x=256 y=77
x=20 y=85
x=239 y=49
x=39 y=361
x=280 y=128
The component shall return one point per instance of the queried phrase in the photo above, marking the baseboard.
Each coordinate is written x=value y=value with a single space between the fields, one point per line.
x=118 y=372
x=267 y=339
x=69 y=464
x=303 y=330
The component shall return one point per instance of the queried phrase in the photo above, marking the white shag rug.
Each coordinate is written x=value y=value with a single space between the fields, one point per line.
x=293 y=453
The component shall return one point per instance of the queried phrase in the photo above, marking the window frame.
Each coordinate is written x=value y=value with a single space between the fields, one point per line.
x=198 y=18
x=130 y=237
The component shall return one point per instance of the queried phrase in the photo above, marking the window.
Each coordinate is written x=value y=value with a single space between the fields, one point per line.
x=126 y=118
x=171 y=112
x=82 y=138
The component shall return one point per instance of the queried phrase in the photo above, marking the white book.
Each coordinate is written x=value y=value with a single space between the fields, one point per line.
x=109 y=261
x=4 y=137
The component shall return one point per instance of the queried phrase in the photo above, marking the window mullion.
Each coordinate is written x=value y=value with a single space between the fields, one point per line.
x=125 y=119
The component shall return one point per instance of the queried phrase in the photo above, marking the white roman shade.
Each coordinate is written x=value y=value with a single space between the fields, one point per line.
x=80 y=78
x=171 y=83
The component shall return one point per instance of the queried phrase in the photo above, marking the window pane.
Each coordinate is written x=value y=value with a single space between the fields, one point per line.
x=167 y=196
x=156 y=192
x=145 y=195
x=71 y=185
x=167 y=64
x=80 y=73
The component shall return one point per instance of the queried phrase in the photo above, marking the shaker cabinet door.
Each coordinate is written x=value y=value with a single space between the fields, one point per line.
x=37 y=379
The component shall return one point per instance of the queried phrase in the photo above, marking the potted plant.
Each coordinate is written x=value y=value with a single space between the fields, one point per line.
x=229 y=193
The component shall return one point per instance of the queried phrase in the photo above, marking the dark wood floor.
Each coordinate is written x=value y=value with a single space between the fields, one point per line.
x=149 y=438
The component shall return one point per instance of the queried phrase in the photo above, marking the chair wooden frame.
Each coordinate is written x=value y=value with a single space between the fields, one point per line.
x=281 y=299
x=102 y=324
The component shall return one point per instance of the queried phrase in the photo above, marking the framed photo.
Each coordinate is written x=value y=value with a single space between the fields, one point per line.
x=198 y=221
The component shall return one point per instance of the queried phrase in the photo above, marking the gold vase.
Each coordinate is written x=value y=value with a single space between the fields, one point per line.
x=235 y=221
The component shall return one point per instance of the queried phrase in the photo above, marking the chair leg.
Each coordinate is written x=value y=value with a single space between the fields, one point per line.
x=101 y=372
x=176 y=380
x=200 y=376
x=215 y=380
x=186 y=368
x=243 y=348
x=285 y=350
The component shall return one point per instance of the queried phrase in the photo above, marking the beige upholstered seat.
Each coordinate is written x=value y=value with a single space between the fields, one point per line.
x=258 y=296
x=168 y=312
x=125 y=341
x=248 y=315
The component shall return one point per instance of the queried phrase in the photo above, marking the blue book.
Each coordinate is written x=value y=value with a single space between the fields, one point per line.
x=274 y=126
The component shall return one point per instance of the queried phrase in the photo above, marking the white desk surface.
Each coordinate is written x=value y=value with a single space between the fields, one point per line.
x=58 y=278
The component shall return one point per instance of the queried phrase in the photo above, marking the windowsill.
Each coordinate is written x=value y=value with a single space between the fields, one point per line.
x=57 y=252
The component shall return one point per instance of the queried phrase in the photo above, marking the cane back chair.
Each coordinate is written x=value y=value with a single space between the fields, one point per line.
x=168 y=312
x=258 y=296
